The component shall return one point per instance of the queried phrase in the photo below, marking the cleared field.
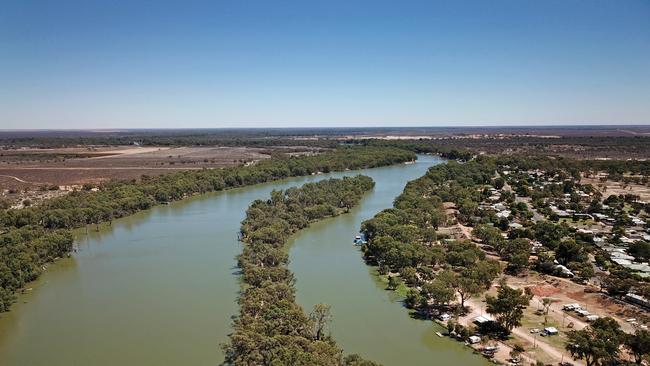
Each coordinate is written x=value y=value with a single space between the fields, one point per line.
x=34 y=169
x=610 y=187
x=31 y=168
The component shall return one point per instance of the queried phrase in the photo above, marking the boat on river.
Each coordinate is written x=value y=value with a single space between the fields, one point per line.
x=360 y=240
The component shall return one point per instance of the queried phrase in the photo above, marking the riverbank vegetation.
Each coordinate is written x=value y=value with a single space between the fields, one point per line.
x=272 y=329
x=403 y=240
x=463 y=224
x=424 y=147
x=33 y=236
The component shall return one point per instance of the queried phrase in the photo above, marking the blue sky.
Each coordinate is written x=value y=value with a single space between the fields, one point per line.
x=118 y=64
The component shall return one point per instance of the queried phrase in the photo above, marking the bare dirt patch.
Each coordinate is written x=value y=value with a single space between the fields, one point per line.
x=544 y=290
x=28 y=168
x=610 y=187
x=564 y=291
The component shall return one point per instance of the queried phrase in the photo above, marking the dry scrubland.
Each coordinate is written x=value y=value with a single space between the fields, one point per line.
x=610 y=187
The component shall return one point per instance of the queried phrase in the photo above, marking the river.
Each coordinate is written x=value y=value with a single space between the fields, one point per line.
x=159 y=287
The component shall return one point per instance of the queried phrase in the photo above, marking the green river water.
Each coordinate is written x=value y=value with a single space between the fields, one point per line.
x=159 y=288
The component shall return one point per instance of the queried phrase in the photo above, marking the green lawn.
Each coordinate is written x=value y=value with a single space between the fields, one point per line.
x=402 y=288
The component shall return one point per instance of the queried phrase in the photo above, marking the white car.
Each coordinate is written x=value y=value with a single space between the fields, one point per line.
x=583 y=313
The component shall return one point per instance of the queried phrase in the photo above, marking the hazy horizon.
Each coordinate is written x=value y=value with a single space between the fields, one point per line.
x=96 y=65
x=414 y=128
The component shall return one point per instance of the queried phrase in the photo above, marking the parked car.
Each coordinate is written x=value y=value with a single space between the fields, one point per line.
x=550 y=331
x=583 y=312
x=570 y=307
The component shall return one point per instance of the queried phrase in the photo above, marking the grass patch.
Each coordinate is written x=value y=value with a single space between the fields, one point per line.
x=532 y=320
x=401 y=290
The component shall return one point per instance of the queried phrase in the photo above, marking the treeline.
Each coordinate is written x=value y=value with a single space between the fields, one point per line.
x=19 y=253
x=328 y=137
x=118 y=199
x=615 y=147
x=424 y=147
x=272 y=329
x=615 y=168
x=403 y=240
x=603 y=343
x=23 y=254
x=153 y=137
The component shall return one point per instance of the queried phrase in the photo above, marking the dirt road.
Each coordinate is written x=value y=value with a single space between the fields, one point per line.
x=521 y=333
x=15 y=178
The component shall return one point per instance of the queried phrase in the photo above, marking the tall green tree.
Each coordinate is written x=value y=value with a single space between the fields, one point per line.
x=393 y=282
x=640 y=250
x=439 y=290
x=638 y=344
x=467 y=286
x=596 y=343
x=321 y=316
x=508 y=306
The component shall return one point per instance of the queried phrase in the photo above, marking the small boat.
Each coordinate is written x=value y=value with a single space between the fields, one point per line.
x=439 y=334
x=487 y=354
x=359 y=240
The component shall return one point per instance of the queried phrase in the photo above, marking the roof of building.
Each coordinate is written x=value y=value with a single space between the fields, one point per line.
x=483 y=319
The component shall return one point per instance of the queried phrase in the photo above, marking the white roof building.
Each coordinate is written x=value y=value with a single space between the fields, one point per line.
x=504 y=213
x=482 y=319
x=591 y=318
x=626 y=240
x=499 y=206
x=565 y=271
x=621 y=261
